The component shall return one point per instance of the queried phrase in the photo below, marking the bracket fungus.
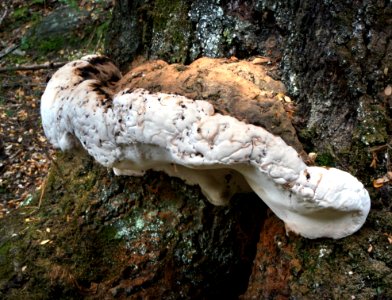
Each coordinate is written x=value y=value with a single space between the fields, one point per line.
x=132 y=131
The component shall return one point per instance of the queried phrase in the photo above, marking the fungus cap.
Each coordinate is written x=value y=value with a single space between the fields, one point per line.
x=133 y=131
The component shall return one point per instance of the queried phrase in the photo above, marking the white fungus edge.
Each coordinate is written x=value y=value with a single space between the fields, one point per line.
x=139 y=131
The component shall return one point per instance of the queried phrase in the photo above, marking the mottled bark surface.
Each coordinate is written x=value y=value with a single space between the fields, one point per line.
x=335 y=59
x=100 y=236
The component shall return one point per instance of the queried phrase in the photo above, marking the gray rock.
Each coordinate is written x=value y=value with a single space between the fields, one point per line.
x=62 y=21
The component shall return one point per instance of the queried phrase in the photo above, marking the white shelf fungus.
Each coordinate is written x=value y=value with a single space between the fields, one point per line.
x=132 y=132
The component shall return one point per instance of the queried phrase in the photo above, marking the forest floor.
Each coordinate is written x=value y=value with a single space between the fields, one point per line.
x=25 y=154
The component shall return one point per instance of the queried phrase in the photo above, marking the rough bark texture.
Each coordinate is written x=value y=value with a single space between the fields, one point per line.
x=97 y=236
x=100 y=236
x=335 y=59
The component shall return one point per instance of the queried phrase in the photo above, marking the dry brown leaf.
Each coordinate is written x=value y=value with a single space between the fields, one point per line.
x=389 y=237
x=379 y=182
x=374 y=162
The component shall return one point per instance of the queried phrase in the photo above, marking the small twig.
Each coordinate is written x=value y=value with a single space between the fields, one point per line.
x=52 y=65
x=91 y=38
x=25 y=85
x=15 y=154
x=379 y=148
x=8 y=50
x=43 y=188
x=99 y=41
x=376 y=149
x=45 y=181
x=3 y=16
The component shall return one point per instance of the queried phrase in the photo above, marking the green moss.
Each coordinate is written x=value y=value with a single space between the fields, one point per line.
x=228 y=35
x=51 y=44
x=10 y=112
x=22 y=16
x=102 y=228
x=61 y=220
x=70 y=3
x=372 y=122
x=306 y=136
x=20 y=13
x=102 y=30
x=4 y=249
x=82 y=35
x=6 y=268
x=43 y=46
x=325 y=159
x=171 y=30
x=54 y=43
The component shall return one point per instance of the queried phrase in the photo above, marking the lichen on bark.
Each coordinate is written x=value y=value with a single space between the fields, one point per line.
x=98 y=235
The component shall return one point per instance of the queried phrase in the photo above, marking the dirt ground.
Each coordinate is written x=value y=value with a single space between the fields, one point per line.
x=25 y=154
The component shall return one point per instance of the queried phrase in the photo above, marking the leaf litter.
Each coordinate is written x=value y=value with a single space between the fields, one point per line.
x=24 y=152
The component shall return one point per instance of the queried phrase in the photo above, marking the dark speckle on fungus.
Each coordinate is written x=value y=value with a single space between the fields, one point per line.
x=98 y=60
x=203 y=158
x=228 y=177
x=87 y=72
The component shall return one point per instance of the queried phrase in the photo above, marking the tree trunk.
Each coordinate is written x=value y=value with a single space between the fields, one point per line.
x=99 y=236
x=335 y=59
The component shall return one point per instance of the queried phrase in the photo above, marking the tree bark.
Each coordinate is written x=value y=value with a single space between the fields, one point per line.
x=335 y=60
x=99 y=236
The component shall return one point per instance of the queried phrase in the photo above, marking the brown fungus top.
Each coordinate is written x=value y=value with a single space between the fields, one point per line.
x=239 y=88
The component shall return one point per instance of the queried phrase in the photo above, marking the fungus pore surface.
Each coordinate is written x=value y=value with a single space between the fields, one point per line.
x=133 y=131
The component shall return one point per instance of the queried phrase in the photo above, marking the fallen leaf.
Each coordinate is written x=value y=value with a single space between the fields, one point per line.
x=379 y=182
x=374 y=161
x=388 y=90
x=280 y=96
x=389 y=237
